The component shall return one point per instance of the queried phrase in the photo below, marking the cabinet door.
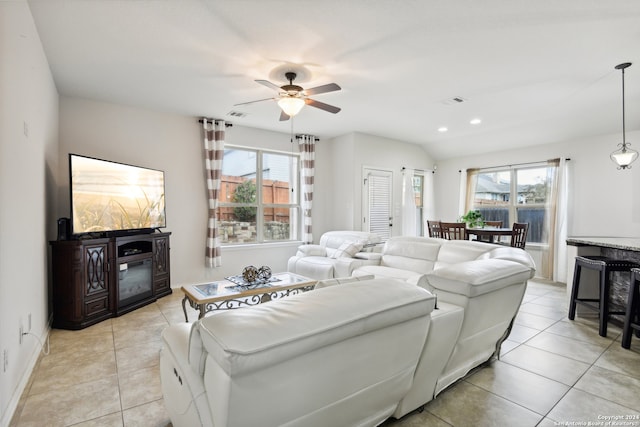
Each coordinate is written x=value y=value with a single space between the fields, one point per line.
x=160 y=256
x=161 y=281
x=96 y=279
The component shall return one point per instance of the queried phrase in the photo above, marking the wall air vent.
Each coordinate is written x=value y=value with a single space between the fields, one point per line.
x=237 y=114
x=454 y=100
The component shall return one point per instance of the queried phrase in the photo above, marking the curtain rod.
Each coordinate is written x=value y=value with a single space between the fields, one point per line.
x=419 y=170
x=518 y=164
x=227 y=125
x=315 y=137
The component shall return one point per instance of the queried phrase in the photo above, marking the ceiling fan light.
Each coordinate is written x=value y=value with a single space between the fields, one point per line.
x=624 y=156
x=291 y=105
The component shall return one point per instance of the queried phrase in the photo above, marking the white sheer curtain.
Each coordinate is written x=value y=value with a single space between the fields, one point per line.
x=468 y=181
x=560 y=246
x=408 y=204
x=429 y=200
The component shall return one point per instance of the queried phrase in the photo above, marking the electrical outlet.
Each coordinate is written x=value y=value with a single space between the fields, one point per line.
x=5 y=358
x=25 y=128
x=21 y=332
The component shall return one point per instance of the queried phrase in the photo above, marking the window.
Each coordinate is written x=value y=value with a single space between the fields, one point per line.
x=259 y=196
x=525 y=193
x=515 y=195
x=518 y=194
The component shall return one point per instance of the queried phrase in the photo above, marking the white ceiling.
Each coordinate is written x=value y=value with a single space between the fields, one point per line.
x=535 y=72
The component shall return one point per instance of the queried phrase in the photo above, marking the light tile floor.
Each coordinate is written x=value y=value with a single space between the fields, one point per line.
x=552 y=372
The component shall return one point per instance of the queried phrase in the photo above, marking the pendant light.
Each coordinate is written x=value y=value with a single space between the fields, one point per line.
x=624 y=155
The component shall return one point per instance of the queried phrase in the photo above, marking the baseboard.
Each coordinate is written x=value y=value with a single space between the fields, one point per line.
x=7 y=416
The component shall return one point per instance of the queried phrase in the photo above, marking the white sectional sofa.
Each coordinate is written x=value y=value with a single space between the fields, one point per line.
x=354 y=351
x=487 y=281
x=337 y=254
x=338 y=356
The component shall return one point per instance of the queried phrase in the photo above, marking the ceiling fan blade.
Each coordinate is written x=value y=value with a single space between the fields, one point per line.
x=331 y=87
x=284 y=116
x=322 y=105
x=251 y=102
x=270 y=85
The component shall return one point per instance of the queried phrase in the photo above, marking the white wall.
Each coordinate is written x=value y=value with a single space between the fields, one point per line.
x=604 y=201
x=172 y=143
x=388 y=154
x=334 y=197
x=28 y=161
x=340 y=206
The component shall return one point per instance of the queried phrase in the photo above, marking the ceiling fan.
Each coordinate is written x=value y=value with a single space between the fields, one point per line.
x=291 y=98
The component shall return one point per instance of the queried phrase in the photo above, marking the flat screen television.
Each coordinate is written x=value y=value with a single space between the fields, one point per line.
x=110 y=198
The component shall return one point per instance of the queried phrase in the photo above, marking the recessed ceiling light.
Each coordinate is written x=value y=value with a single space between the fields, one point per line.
x=475 y=121
x=442 y=129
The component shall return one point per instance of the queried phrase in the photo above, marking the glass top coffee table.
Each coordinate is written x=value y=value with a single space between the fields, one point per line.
x=227 y=294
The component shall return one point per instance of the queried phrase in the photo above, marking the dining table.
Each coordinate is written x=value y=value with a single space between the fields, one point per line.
x=490 y=232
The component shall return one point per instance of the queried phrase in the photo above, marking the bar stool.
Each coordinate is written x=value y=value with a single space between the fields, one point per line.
x=604 y=266
x=632 y=316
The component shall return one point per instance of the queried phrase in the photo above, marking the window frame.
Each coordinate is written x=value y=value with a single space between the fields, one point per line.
x=260 y=206
x=513 y=206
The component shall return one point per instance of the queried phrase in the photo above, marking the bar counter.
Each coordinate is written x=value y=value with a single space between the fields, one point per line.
x=624 y=248
x=623 y=243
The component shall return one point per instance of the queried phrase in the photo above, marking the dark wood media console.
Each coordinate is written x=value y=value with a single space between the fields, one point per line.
x=96 y=279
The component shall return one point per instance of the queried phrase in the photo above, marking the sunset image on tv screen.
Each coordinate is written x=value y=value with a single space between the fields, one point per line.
x=109 y=196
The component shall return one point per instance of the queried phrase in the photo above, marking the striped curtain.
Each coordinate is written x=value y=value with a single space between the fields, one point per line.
x=307 y=146
x=213 y=153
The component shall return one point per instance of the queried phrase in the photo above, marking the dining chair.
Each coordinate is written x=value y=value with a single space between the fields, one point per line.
x=454 y=230
x=519 y=234
x=497 y=224
x=434 y=228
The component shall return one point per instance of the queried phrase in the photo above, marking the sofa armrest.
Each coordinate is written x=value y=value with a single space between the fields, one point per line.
x=342 y=281
x=370 y=256
x=477 y=277
x=419 y=280
x=343 y=267
x=311 y=250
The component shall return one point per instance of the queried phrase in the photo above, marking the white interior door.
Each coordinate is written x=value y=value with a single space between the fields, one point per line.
x=377 y=201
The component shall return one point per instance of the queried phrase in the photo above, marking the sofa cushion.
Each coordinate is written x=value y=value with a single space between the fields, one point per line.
x=511 y=254
x=413 y=254
x=333 y=239
x=347 y=249
x=473 y=278
x=242 y=341
x=455 y=251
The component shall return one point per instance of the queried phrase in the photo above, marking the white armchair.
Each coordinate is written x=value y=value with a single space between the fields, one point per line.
x=337 y=255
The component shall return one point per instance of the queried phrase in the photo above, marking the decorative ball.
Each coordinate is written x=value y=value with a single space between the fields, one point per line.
x=250 y=273
x=264 y=273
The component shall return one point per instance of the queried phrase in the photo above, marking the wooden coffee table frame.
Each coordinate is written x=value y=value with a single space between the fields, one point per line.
x=228 y=295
